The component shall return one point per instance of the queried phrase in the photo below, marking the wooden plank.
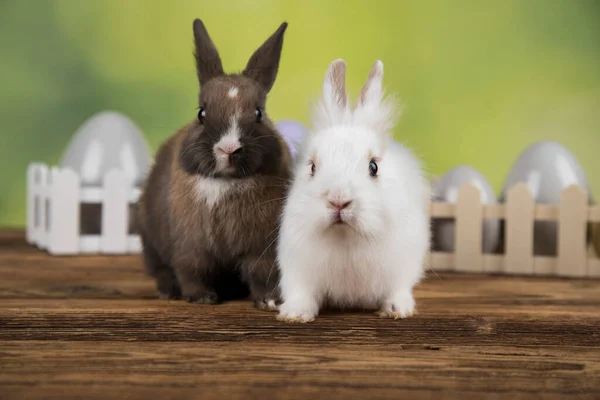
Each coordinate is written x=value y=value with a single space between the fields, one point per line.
x=294 y=371
x=115 y=213
x=572 y=240
x=441 y=210
x=92 y=327
x=546 y=212
x=469 y=225
x=519 y=231
x=494 y=211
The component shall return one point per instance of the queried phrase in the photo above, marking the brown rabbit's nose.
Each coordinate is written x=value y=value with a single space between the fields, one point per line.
x=229 y=150
x=340 y=204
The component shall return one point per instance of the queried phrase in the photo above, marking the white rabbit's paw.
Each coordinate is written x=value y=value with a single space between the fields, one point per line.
x=295 y=313
x=400 y=307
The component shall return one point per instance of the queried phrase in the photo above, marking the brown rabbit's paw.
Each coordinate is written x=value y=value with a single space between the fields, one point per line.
x=267 y=304
x=169 y=295
x=209 y=298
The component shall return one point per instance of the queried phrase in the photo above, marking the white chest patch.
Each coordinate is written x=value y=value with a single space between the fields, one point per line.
x=233 y=92
x=212 y=190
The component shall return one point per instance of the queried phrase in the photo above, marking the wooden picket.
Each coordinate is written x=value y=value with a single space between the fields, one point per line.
x=519 y=231
x=40 y=205
x=572 y=257
x=115 y=210
x=63 y=215
x=468 y=237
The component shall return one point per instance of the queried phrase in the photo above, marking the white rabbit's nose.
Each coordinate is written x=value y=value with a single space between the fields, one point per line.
x=340 y=204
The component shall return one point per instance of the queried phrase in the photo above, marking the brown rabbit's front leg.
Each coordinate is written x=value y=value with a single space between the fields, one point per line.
x=262 y=276
x=195 y=278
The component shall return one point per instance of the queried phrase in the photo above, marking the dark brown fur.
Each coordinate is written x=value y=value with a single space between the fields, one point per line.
x=197 y=249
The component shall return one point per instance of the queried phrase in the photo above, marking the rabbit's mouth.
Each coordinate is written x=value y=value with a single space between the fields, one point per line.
x=341 y=218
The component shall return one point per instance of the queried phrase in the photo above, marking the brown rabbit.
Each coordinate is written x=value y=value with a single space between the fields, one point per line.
x=209 y=212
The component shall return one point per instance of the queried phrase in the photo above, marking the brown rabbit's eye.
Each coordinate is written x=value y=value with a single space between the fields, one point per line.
x=201 y=114
x=258 y=114
x=373 y=168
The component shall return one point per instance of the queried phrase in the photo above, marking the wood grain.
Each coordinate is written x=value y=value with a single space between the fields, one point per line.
x=90 y=327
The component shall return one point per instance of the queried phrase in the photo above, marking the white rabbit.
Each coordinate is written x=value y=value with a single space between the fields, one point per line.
x=355 y=226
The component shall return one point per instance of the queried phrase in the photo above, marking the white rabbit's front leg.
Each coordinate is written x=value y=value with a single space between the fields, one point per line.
x=400 y=305
x=299 y=292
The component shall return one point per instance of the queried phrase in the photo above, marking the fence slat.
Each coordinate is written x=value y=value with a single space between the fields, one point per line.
x=441 y=261
x=593 y=265
x=519 y=231
x=31 y=202
x=594 y=213
x=42 y=194
x=115 y=213
x=63 y=232
x=572 y=224
x=468 y=238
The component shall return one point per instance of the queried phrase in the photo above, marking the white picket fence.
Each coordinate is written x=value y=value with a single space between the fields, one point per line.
x=519 y=212
x=54 y=196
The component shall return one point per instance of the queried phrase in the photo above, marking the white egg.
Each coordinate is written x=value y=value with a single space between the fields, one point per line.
x=107 y=140
x=546 y=168
x=446 y=190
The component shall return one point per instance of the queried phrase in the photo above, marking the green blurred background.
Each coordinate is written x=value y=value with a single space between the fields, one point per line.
x=480 y=80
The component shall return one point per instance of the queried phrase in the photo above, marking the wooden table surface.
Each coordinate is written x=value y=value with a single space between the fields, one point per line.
x=90 y=327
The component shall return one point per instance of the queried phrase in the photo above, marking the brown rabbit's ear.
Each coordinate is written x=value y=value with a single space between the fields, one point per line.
x=208 y=62
x=264 y=63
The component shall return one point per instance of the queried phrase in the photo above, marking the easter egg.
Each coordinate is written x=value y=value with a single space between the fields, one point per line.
x=446 y=190
x=105 y=141
x=293 y=132
x=546 y=168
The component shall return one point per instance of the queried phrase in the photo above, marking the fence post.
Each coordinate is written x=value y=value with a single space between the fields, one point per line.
x=520 y=213
x=32 y=212
x=42 y=190
x=469 y=226
x=63 y=196
x=115 y=211
x=572 y=240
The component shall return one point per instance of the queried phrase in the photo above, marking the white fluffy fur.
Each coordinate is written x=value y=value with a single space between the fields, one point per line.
x=375 y=261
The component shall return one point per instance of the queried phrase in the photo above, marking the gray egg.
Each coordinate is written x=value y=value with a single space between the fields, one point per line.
x=105 y=141
x=446 y=190
x=546 y=168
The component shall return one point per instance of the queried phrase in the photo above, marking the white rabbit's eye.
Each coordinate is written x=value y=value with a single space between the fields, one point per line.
x=373 y=168
x=258 y=114
x=201 y=114
x=312 y=168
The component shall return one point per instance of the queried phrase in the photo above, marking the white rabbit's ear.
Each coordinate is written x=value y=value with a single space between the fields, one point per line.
x=332 y=107
x=334 y=86
x=372 y=108
x=372 y=92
